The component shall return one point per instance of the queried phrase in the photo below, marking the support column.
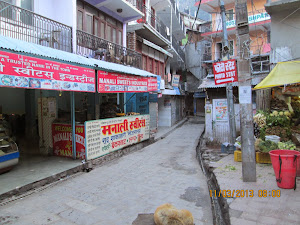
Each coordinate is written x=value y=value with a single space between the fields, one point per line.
x=72 y=96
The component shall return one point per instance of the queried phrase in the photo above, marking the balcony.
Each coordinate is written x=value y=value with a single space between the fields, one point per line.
x=255 y=18
x=92 y=46
x=150 y=27
x=177 y=25
x=25 y=25
x=121 y=10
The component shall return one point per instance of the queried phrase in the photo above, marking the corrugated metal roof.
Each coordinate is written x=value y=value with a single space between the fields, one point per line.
x=39 y=50
x=210 y=82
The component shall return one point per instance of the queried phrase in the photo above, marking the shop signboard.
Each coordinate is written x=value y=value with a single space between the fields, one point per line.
x=220 y=110
x=108 y=135
x=251 y=19
x=225 y=72
x=175 y=80
x=21 y=71
x=62 y=140
x=118 y=83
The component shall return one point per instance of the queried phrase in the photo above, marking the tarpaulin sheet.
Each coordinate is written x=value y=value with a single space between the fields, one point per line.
x=283 y=73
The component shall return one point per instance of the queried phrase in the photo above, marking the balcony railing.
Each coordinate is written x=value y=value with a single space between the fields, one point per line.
x=154 y=22
x=25 y=25
x=136 y=3
x=89 y=45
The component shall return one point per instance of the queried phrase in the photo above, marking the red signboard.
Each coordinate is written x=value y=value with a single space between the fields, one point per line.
x=113 y=82
x=22 y=71
x=225 y=72
x=62 y=140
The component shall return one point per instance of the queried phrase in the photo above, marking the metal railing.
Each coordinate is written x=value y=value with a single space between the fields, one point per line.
x=25 y=25
x=136 y=3
x=154 y=22
x=89 y=45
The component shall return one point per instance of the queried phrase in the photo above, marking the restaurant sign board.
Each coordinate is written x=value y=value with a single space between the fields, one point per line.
x=21 y=71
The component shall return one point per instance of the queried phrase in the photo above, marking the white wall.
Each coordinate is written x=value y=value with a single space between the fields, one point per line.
x=58 y=10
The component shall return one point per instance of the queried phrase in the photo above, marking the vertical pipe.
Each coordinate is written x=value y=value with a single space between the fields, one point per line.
x=73 y=124
x=229 y=92
x=124 y=35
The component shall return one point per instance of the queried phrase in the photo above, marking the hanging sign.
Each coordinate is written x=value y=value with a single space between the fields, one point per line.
x=62 y=140
x=225 y=72
x=108 y=135
x=113 y=82
x=22 y=71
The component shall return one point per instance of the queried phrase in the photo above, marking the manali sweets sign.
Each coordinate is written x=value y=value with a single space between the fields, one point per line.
x=108 y=135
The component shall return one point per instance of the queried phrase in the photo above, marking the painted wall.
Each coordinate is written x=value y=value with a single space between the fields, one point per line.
x=285 y=36
x=61 y=11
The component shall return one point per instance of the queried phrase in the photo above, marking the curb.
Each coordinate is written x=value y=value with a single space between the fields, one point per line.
x=220 y=208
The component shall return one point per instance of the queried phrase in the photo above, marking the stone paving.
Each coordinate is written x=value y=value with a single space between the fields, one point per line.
x=115 y=193
x=257 y=210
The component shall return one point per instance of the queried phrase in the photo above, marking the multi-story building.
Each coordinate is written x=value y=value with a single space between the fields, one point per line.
x=259 y=30
x=195 y=46
x=157 y=37
x=259 y=47
x=84 y=33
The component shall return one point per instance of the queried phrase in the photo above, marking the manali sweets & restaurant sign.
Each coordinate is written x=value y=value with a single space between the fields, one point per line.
x=108 y=135
x=22 y=71
x=62 y=140
x=112 y=82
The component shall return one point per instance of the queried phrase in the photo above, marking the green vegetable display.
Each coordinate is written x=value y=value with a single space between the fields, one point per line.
x=287 y=145
x=266 y=146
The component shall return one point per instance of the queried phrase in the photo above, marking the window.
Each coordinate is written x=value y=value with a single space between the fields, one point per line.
x=114 y=35
x=120 y=37
x=162 y=69
x=150 y=65
x=156 y=67
x=108 y=33
x=229 y=15
x=89 y=23
x=144 y=62
x=231 y=48
x=93 y=21
x=79 y=20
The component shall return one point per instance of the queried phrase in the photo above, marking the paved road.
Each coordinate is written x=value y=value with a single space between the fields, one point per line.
x=114 y=194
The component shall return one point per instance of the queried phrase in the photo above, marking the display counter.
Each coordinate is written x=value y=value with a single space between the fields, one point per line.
x=9 y=154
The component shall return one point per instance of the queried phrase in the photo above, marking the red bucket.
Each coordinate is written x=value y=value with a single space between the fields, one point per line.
x=285 y=165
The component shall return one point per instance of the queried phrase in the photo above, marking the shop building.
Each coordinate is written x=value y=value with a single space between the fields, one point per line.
x=64 y=63
x=259 y=48
x=157 y=37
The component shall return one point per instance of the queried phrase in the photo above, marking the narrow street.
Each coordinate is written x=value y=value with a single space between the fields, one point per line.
x=114 y=194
